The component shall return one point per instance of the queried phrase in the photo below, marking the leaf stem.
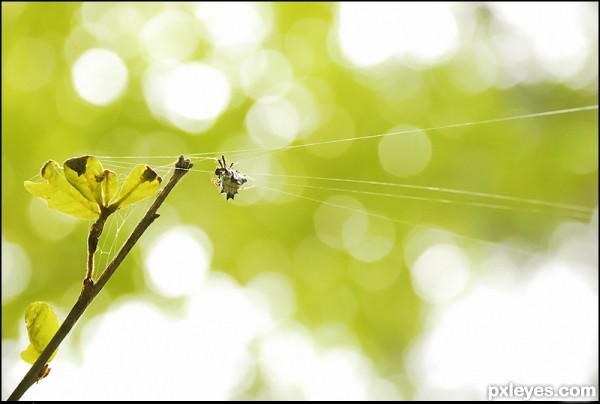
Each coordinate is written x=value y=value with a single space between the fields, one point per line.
x=93 y=237
x=90 y=290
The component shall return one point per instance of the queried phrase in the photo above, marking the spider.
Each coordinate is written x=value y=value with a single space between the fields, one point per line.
x=227 y=179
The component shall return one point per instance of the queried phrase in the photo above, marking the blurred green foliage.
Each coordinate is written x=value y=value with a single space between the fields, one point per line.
x=44 y=118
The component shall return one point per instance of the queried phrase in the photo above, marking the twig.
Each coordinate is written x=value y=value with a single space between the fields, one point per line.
x=90 y=289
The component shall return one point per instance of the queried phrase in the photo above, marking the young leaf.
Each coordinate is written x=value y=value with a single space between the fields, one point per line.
x=42 y=324
x=110 y=187
x=86 y=175
x=61 y=194
x=141 y=183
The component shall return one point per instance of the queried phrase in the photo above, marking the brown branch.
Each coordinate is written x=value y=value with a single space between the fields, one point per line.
x=90 y=290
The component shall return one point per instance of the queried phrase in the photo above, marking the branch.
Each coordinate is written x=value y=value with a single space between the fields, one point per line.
x=90 y=290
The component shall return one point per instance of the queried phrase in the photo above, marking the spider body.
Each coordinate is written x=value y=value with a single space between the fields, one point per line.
x=227 y=179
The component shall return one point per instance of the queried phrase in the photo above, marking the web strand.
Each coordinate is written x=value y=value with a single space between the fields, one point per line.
x=214 y=154
x=402 y=222
x=569 y=213
x=568 y=207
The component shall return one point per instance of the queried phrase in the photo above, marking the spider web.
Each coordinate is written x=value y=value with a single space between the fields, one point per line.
x=270 y=182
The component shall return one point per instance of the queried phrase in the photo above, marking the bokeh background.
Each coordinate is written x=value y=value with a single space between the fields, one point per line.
x=308 y=288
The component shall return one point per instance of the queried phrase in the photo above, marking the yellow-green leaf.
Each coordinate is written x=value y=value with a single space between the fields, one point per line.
x=110 y=187
x=61 y=195
x=86 y=175
x=141 y=183
x=42 y=324
x=30 y=354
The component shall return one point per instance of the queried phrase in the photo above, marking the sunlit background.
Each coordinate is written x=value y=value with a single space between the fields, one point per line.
x=307 y=288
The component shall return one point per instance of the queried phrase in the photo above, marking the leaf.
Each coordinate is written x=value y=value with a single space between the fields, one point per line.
x=61 y=195
x=42 y=324
x=86 y=175
x=141 y=183
x=110 y=187
x=30 y=354
x=82 y=188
